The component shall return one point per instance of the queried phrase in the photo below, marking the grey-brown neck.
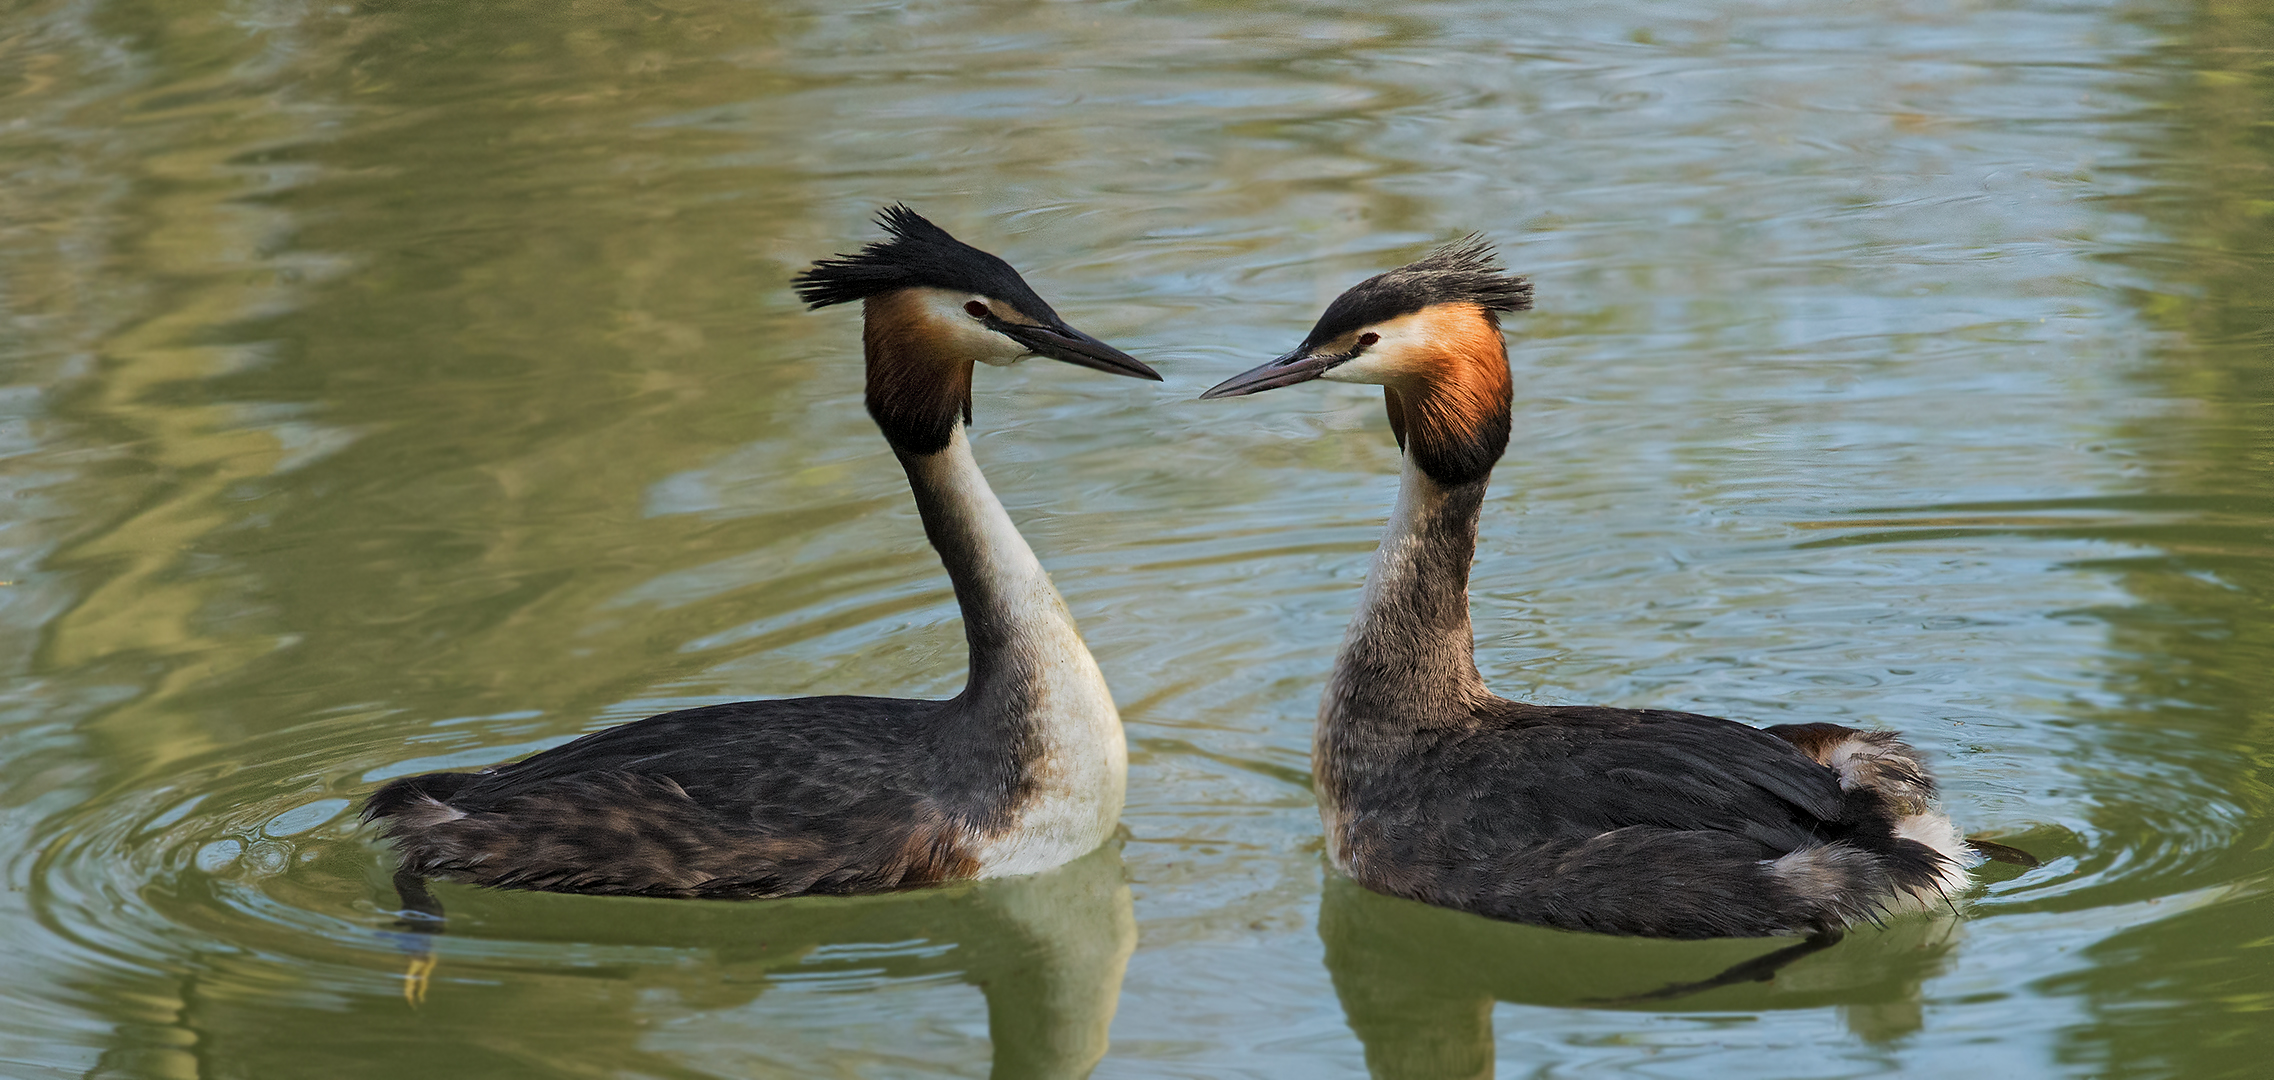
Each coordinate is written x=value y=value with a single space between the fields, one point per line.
x=1409 y=657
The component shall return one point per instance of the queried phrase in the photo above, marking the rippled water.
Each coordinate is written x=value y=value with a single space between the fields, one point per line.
x=400 y=386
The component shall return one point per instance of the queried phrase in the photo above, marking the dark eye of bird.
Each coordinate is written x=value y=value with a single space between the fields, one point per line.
x=1368 y=339
x=977 y=309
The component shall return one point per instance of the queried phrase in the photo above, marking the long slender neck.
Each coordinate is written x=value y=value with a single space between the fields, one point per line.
x=1031 y=755
x=1409 y=657
x=1013 y=617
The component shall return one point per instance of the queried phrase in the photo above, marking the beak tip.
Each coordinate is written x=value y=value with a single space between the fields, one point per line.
x=1131 y=366
x=1125 y=364
x=1271 y=376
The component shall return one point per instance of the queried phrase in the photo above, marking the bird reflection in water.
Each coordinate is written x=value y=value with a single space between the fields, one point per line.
x=1418 y=983
x=1047 y=950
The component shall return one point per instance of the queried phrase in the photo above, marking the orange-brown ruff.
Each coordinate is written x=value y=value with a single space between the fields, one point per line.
x=915 y=382
x=1439 y=412
x=1022 y=771
x=1613 y=820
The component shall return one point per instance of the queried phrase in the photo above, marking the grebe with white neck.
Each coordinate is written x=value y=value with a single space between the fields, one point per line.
x=1022 y=771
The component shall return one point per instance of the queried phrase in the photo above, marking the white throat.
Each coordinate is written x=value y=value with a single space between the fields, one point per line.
x=1020 y=631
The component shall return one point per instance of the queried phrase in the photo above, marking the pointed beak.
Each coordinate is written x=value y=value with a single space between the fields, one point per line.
x=1286 y=371
x=1075 y=347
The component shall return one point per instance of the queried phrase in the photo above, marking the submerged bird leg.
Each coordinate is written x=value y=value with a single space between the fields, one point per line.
x=1991 y=849
x=422 y=917
x=415 y=977
x=1759 y=969
x=421 y=912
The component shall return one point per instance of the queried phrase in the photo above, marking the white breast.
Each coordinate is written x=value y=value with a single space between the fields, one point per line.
x=1081 y=774
x=1081 y=764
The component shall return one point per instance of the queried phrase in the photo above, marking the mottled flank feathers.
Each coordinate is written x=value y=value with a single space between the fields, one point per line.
x=833 y=795
x=1626 y=822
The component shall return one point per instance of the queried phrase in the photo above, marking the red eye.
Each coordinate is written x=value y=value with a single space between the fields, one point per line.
x=977 y=310
x=1368 y=339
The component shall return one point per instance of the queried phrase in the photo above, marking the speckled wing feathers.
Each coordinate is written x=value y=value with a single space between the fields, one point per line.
x=1595 y=769
x=755 y=799
x=1634 y=822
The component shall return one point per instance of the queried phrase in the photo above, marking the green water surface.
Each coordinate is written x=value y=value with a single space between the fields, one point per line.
x=393 y=386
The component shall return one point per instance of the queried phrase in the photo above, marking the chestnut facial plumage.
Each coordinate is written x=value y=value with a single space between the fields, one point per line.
x=1620 y=821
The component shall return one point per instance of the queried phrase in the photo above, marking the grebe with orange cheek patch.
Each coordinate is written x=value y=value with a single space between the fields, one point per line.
x=1022 y=771
x=1619 y=821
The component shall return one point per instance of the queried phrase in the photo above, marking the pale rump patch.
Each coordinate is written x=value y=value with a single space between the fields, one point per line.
x=1941 y=834
x=1878 y=761
x=1882 y=762
x=1853 y=885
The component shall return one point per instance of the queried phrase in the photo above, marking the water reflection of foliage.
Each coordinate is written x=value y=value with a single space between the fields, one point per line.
x=2200 y=643
x=417 y=395
x=472 y=447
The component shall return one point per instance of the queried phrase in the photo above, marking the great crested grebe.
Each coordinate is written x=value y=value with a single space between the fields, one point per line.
x=1022 y=771
x=1619 y=821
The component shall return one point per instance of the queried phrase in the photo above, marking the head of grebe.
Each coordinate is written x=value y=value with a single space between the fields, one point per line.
x=933 y=306
x=1427 y=333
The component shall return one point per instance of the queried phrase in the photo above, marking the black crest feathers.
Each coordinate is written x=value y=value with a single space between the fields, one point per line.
x=915 y=253
x=1465 y=271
